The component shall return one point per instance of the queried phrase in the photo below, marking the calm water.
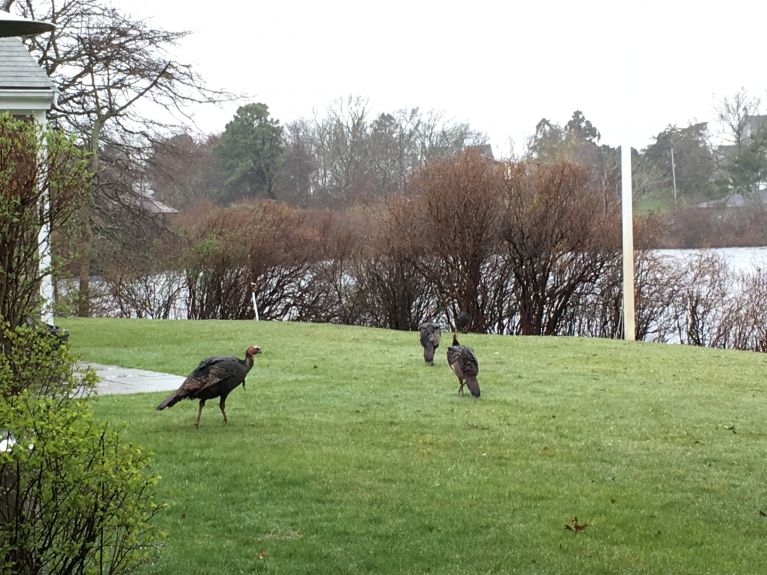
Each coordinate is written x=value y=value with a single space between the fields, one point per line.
x=739 y=259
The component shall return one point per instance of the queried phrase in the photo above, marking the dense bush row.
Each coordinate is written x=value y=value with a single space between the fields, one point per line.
x=512 y=248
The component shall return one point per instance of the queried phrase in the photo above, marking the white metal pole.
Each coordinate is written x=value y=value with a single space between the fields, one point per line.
x=628 y=243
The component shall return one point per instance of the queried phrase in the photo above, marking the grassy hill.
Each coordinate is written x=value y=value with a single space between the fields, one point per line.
x=347 y=454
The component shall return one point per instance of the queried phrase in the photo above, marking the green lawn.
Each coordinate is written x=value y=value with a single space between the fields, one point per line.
x=347 y=454
x=655 y=204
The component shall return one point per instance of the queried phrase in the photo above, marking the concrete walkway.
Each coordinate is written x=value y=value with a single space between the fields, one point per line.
x=114 y=380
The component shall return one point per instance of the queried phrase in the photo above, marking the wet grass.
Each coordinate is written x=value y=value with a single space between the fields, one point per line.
x=346 y=454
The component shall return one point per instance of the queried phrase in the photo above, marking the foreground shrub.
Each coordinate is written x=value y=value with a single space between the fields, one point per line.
x=73 y=498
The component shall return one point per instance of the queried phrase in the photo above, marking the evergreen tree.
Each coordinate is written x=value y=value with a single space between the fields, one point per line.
x=249 y=153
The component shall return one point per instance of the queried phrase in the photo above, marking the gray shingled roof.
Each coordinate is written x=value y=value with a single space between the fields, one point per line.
x=18 y=69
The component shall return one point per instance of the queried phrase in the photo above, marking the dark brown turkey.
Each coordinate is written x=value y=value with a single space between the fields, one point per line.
x=216 y=376
x=431 y=332
x=464 y=364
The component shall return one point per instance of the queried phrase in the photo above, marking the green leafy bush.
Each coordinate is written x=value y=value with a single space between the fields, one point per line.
x=73 y=497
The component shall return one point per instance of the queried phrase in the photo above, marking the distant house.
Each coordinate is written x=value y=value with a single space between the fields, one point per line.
x=754 y=125
x=736 y=201
x=144 y=198
x=137 y=198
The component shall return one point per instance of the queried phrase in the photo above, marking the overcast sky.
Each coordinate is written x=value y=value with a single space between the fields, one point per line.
x=633 y=68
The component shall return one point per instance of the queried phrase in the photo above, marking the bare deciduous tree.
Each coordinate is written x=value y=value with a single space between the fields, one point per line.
x=294 y=180
x=559 y=236
x=346 y=156
x=179 y=170
x=459 y=204
x=733 y=113
x=341 y=152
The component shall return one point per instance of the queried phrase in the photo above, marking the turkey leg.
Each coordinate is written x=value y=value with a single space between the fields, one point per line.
x=199 y=413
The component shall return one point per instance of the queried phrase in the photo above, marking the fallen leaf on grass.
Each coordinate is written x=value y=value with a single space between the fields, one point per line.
x=574 y=526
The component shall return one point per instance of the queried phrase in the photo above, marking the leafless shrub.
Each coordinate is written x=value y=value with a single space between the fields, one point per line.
x=742 y=324
x=262 y=247
x=329 y=291
x=596 y=308
x=698 y=307
x=157 y=296
x=281 y=248
x=560 y=236
x=658 y=282
x=458 y=205
x=389 y=282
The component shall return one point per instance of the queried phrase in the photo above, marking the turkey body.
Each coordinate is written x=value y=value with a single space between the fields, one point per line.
x=214 y=377
x=431 y=332
x=465 y=366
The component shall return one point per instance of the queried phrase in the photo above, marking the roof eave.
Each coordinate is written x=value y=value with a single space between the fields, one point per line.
x=27 y=99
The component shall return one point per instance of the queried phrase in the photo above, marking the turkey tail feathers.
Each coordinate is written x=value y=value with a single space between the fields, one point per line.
x=472 y=384
x=169 y=401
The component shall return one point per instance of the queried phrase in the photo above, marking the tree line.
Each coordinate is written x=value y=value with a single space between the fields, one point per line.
x=334 y=160
x=350 y=154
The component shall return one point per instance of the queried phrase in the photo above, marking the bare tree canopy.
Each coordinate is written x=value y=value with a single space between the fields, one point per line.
x=733 y=113
x=105 y=62
x=348 y=154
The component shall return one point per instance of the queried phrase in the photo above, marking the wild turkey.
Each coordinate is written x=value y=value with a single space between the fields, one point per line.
x=431 y=333
x=464 y=364
x=216 y=376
